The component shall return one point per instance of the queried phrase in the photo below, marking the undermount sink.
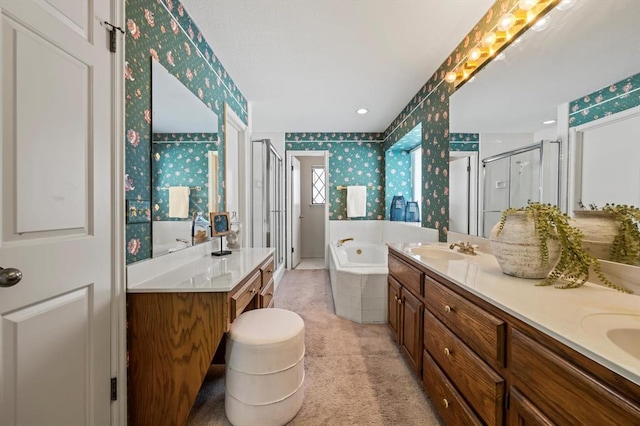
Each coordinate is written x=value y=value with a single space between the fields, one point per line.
x=436 y=253
x=623 y=330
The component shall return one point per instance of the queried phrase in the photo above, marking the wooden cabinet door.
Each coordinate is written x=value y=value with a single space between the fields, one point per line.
x=393 y=311
x=411 y=326
x=522 y=412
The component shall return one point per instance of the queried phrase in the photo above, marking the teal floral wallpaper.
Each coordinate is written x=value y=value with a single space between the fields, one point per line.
x=397 y=177
x=164 y=31
x=464 y=142
x=398 y=167
x=351 y=162
x=430 y=107
x=180 y=164
x=617 y=97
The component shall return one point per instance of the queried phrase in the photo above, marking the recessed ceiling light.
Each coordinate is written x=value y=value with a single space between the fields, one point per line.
x=549 y=122
x=362 y=111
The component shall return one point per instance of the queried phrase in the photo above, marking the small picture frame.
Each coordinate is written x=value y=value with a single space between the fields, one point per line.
x=220 y=223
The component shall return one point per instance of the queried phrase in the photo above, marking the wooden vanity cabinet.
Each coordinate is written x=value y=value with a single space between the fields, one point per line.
x=522 y=412
x=268 y=287
x=562 y=391
x=405 y=290
x=481 y=365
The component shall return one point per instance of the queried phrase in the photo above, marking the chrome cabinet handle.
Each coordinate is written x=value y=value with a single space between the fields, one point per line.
x=9 y=277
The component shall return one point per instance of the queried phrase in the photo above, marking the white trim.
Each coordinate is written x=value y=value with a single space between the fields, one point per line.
x=118 y=239
x=231 y=120
x=290 y=155
x=576 y=135
x=474 y=165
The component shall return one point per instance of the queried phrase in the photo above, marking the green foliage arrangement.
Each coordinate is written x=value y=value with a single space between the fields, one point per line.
x=626 y=244
x=574 y=264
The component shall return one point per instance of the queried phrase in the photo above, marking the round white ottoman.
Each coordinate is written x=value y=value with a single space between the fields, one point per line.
x=264 y=368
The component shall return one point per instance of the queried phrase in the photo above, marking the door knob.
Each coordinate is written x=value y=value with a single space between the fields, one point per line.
x=9 y=277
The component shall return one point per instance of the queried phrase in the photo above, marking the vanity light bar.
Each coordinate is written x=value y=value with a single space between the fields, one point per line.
x=512 y=24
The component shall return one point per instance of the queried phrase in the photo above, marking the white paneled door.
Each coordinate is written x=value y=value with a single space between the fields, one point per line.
x=296 y=213
x=56 y=214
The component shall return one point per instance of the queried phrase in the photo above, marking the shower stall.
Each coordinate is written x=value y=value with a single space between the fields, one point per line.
x=267 y=195
x=514 y=178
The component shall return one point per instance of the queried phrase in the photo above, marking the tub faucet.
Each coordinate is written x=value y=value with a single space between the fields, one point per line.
x=463 y=247
x=344 y=240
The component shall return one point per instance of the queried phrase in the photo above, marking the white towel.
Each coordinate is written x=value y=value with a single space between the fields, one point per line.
x=179 y=201
x=356 y=201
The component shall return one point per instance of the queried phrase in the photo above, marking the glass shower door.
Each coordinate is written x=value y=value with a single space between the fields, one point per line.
x=496 y=192
x=525 y=178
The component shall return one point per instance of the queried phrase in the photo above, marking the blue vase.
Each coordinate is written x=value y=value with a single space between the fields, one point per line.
x=397 y=208
x=412 y=212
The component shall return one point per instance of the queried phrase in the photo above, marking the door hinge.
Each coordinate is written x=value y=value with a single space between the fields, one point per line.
x=291 y=168
x=292 y=250
x=114 y=388
x=112 y=36
x=468 y=168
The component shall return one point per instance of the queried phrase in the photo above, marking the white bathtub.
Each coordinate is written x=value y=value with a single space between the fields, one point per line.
x=358 y=273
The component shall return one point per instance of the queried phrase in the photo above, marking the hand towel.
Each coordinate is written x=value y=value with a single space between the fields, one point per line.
x=356 y=201
x=179 y=201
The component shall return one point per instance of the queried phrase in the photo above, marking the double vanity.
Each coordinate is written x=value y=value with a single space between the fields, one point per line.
x=494 y=349
x=176 y=322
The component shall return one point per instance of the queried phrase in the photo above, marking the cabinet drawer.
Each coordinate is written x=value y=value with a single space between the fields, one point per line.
x=482 y=387
x=480 y=330
x=267 y=271
x=565 y=393
x=241 y=298
x=266 y=295
x=407 y=275
x=451 y=406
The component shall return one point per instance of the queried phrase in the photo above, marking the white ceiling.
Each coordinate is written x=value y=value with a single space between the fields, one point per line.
x=307 y=65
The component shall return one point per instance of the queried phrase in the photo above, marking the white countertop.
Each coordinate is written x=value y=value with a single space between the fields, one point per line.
x=579 y=318
x=206 y=274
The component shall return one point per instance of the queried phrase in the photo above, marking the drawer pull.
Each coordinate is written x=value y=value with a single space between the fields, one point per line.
x=399 y=301
x=447 y=352
x=447 y=308
x=253 y=290
x=395 y=298
x=270 y=293
x=445 y=402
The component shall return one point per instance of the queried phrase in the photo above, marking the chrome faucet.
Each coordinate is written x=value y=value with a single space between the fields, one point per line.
x=344 y=240
x=466 y=248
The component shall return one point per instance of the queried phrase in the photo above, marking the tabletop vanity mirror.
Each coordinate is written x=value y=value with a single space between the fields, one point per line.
x=185 y=183
x=548 y=112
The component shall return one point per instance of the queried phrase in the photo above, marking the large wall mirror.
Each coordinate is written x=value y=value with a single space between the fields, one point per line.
x=185 y=164
x=577 y=51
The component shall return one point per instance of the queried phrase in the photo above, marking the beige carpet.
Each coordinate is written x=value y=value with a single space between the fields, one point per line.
x=355 y=374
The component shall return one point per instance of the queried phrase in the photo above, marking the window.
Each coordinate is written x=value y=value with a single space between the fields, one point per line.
x=317 y=185
x=416 y=174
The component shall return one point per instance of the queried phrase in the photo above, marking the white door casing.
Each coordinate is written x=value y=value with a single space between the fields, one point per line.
x=237 y=170
x=56 y=216
x=296 y=217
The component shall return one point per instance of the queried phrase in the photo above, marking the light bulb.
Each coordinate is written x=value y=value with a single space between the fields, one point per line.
x=450 y=77
x=362 y=111
x=488 y=39
x=527 y=4
x=474 y=54
x=506 y=22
